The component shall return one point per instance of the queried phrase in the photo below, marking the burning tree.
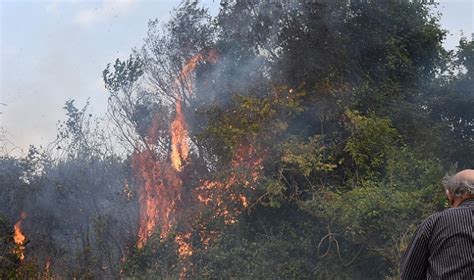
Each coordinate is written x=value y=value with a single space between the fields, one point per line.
x=217 y=120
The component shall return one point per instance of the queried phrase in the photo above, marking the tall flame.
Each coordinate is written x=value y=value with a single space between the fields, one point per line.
x=159 y=195
x=179 y=138
x=160 y=185
x=179 y=128
x=19 y=237
x=160 y=180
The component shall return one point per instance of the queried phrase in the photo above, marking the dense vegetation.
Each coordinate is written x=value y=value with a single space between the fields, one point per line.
x=356 y=112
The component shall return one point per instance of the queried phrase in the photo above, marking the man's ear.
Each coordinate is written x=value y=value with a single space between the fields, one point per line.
x=450 y=197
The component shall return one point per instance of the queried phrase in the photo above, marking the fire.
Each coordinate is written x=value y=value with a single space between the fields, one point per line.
x=243 y=198
x=159 y=182
x=19 y=237
x=184 y=247
x=179 y=128
x=160 y=179
x=159 y=195
x=183 y=78
x=47 y=269
x=126 y=191
x=226 y=196
x=179 y=138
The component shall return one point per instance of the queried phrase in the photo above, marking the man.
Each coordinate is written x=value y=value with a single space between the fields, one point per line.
x=443 y=246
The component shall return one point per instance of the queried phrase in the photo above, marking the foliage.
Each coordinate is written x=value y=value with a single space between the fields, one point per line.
x=124 y=75
x=355 y=111
x=371 y=139
x=158 y=258
x=11 y=267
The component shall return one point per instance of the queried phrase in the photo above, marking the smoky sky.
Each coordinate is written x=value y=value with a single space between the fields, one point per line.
x=54 y=51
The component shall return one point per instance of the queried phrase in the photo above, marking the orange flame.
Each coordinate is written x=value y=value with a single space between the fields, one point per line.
x=160 y=182
x=184 y=247
x=179 y=131
x=179 y=138
x=19 y=237
x=179 y=128
x=160 y=185
x=225 y=197
x=47 y=269
x=159 y=195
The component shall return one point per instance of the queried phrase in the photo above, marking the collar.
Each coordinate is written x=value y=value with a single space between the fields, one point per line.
x=469 y=202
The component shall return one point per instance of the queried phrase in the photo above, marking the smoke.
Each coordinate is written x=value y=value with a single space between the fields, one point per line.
x=97 y=213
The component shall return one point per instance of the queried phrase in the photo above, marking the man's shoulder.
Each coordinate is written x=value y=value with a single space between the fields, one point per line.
x=427 y=225
x=453 y=212
x=449 y=215
x=444 y=215
x=435 y=216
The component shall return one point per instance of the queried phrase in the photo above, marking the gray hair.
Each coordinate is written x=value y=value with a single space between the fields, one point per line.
x=458 y=186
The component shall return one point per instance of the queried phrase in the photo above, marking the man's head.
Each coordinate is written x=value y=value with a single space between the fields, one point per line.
x=459 y=187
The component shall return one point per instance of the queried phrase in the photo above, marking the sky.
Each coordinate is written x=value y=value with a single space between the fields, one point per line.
x=52 y=51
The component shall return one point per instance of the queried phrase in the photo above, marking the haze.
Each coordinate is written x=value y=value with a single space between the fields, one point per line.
x=56 y=50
